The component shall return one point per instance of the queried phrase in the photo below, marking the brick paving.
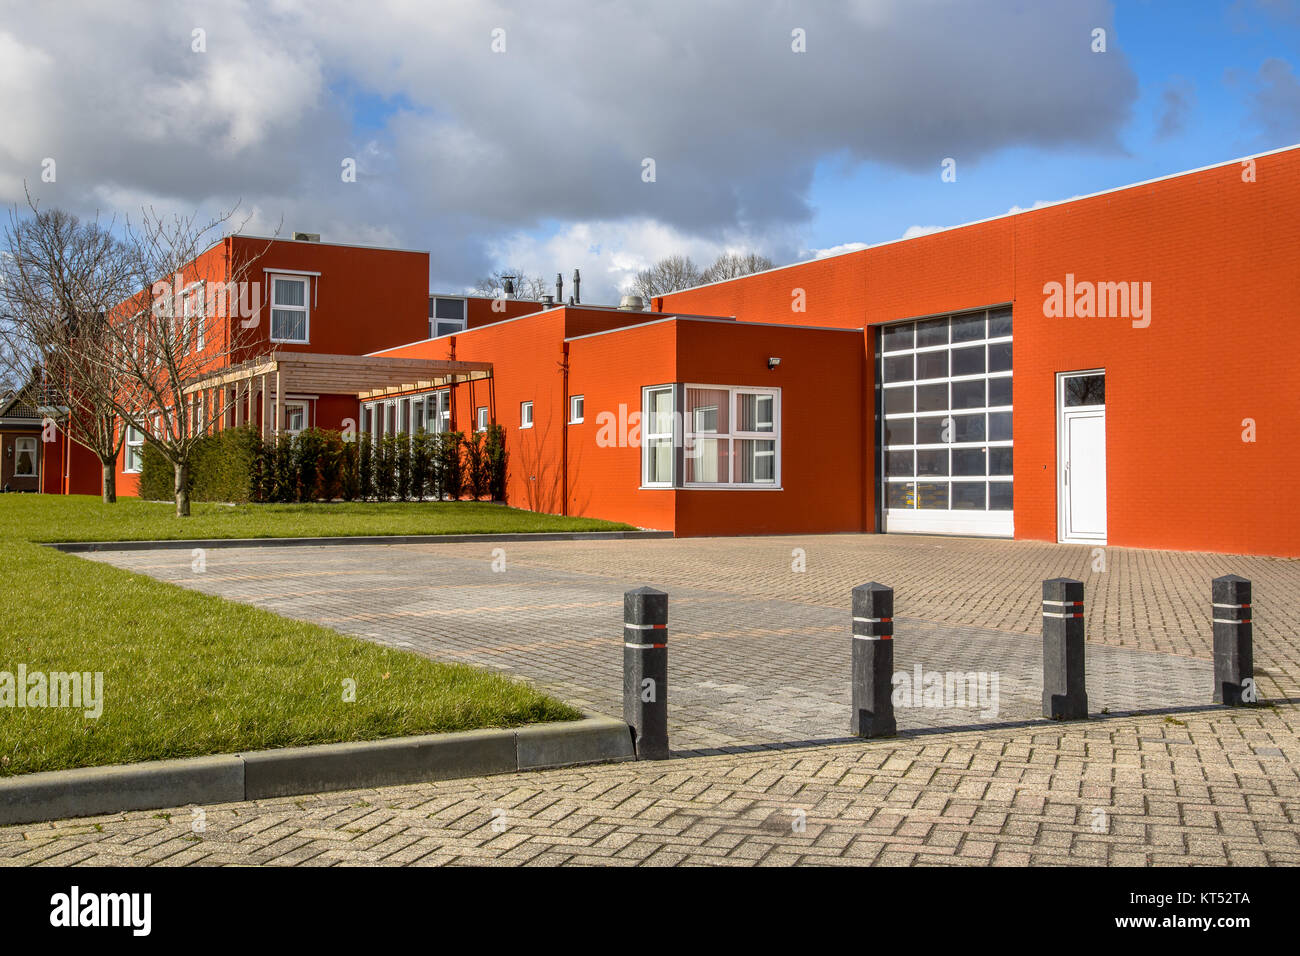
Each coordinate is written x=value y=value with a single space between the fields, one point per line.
x=1199 y=786
x=757 y=660
x=1207 y=788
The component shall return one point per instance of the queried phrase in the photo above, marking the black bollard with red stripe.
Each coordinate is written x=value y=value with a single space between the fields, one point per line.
x=645 y=671
x=873 y=661
x=1234 y=658
x=1065 y=694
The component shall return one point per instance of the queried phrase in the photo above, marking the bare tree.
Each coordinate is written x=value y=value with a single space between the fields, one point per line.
x=58 y=275
x=526 y=286
x=667 y=275
x=180 y=325
x=731 y=265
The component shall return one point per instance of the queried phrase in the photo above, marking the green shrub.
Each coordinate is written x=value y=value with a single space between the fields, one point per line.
x=494 y=450
x=451 y=471
x=157 y=476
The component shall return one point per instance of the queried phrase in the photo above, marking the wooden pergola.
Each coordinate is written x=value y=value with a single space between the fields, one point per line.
x=278 y=374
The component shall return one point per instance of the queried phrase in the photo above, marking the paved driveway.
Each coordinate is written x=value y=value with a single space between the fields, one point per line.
x=759 y=650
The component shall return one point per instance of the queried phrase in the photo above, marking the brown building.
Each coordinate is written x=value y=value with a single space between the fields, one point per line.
x=20 y=444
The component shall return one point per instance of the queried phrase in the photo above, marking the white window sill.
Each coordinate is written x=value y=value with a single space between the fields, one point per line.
x=698 y=487
x=292 y=341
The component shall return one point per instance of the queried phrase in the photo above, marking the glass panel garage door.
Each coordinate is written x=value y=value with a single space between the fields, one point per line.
x=945 y=401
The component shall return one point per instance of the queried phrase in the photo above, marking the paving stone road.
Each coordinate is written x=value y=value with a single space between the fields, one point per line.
x=758 y=654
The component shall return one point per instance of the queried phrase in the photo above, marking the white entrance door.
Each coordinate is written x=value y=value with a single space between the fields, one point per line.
x=1081 y=442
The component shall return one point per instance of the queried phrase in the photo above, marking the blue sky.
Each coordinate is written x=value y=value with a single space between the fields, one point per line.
x=1215 y=50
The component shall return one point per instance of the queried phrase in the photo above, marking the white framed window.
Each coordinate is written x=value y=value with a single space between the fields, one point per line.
x=481 y=418
x=134 y=446
x=295 y=416
x=290 y=310
x=525 y=414
x=658 y=436
x=417 y=413
x=446 y=316
x=732 y=437
x=194 y=319
x=25 y=457
x=577 y=405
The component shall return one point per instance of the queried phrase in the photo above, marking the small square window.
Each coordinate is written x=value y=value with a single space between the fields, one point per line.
x=577 y=405
x=481 y=418
x=525 y=415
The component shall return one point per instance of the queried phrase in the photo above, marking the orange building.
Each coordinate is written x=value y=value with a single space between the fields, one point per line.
x=1116 y=369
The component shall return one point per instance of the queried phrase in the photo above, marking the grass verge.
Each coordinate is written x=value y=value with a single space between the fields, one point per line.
x=187 y=674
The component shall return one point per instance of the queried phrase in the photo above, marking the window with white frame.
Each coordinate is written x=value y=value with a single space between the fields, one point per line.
x=525 y=414
x=194 y=318
x=25 y=457
x=658 y=437
x=295 y=416
x=730 y=437
x=417 y=413
x=481 y=418
x=446 y=316
x=576 y=408
x=134 y=445
x=290 y=312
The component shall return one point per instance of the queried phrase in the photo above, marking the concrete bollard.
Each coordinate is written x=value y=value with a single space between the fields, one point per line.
x=1065 y=695
x=1234 y=658
x=873 y=661
x=645 y=671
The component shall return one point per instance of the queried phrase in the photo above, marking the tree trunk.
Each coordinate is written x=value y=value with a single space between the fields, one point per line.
x=182 y=489
x=110 y=482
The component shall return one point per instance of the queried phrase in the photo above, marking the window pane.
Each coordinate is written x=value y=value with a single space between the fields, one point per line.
x=999 y=391
x=706 y=461
x=898 y=368
x=1000 y=426
x=660 y=412
x=1000 y=461
x=707 y=411
x=898 y=399
x=447 y=328
x=932 y=495
x=969 y=427
x=899 y=463
x=449 y=309
x=755 y=460
x=659 y=460
x=288 y=325
x=290 y=292
x=999 y=496
x=932 y=398
x=968 y=328
x=932 y=332
x=968 y=361
x=967 y=461
x=932 y=461
x=968 y=495
x=900 y=494
x=968 y=394
x=1085 y=390
x=897 y=337
x=932 y=365
x=929 y=431
x=899 y=431
x=999 y=323
x=754 y=412
x=1000 y=357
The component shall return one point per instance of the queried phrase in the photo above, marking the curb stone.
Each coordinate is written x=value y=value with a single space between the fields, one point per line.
x=73 y=547
x=289 y=771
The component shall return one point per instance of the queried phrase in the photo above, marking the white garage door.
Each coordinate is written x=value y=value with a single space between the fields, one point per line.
x=946 y=449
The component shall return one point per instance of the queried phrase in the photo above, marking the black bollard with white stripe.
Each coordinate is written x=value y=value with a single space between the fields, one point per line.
x=873 y=661
x=1234 y=659
x=645 y=671
x=1065 y=696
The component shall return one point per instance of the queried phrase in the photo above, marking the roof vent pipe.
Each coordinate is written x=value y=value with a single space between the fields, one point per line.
x=632 y=303
x=577 y=285
x=559 y=287
x=508 y=287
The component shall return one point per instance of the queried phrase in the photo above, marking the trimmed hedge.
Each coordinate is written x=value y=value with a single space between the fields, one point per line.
x=237 y=465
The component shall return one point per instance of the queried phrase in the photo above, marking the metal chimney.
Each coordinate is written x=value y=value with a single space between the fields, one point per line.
x=559 y=287
x=577 y=286
x=508 y=286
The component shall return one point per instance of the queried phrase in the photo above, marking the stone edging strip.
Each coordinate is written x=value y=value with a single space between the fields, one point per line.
x=231 y=778
x=182 y=543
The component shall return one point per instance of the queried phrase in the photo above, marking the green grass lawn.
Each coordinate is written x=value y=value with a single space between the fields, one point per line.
x=187 y=674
